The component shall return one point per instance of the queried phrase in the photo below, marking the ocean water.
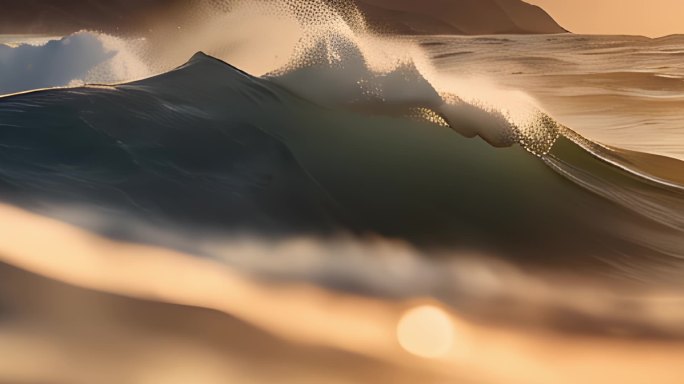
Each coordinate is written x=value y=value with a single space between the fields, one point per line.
x=624 y=91
x=324 y=148
x=529 y=181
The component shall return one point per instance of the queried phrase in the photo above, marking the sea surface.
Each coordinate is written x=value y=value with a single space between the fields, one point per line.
x=534 y=182
x=625 y=91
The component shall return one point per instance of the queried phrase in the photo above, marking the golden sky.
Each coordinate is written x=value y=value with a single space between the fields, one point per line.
x=652 y=18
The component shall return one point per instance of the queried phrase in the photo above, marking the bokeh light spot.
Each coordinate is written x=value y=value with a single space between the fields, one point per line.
x=426 y=331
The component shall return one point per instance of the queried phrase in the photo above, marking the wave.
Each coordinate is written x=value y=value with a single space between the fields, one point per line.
x=344 y=132
x=337 y=177
x=210 y=148
x=57 y=63
x=69 y=61
x=347 y=162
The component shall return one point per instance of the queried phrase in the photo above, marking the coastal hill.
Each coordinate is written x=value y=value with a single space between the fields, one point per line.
x=463 y=17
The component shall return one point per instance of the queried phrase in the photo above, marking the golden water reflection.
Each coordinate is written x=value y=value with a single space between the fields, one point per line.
x=92 y=310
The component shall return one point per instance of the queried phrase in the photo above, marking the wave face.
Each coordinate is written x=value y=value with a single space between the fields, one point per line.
x=209 y=146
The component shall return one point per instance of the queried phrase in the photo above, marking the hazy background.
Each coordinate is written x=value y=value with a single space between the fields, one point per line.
x=653 y=18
